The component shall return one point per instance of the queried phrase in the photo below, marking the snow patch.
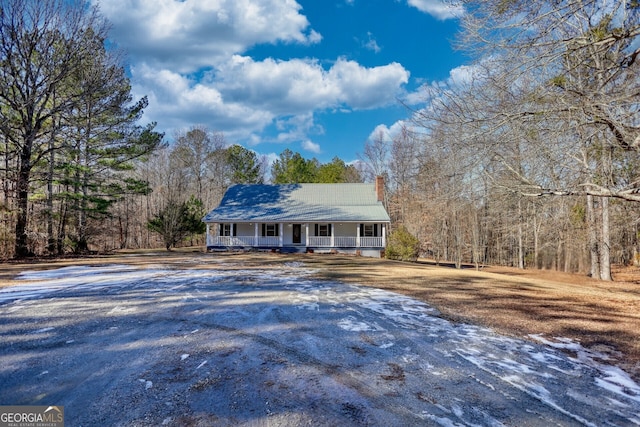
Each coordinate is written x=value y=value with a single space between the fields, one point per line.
x=351 y=324
x=147 y=384
x=612 y=378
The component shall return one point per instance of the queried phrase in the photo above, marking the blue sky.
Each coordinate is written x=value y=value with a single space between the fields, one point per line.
x=319 y=77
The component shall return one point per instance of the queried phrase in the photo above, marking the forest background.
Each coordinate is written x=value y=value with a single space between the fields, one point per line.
x=532 y=162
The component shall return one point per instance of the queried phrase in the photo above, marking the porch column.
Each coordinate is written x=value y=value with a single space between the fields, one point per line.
x=281 y=234
x=357 y=235
x=306 y=234
x=333 y=235
x=256 y=240
x=384 y=235
x=208 y=234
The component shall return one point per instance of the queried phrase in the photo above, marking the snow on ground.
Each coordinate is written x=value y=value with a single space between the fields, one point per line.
x=525 y=366
x=43 y=283
x=390 y=344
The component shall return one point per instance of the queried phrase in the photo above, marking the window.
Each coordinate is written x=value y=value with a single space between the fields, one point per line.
x=270 y=230
x=225 y=229
x=324 y=230
x=369 y=230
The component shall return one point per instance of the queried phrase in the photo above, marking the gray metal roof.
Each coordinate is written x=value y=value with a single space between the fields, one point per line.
x=299 y=203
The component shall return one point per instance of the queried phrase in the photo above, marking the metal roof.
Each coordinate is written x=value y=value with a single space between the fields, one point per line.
x=299 y=203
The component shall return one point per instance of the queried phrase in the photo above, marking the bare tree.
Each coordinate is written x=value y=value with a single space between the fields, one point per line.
x=552 y=101
x=404 y=163
x=194 y=152
x=376 y=157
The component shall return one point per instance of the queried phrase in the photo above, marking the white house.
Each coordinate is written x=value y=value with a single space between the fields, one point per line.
x=346 y=218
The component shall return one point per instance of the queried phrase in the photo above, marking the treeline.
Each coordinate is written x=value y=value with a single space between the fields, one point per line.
x=291 y=167
x=68 y=127
x=462 y=216
x=186 y=178
x=529 y=157
x=189 y=177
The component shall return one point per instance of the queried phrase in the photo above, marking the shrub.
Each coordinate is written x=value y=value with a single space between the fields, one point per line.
x=402 y=245
x=176 y=221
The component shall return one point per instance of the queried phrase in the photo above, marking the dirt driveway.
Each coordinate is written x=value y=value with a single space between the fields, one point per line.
x=206 y=340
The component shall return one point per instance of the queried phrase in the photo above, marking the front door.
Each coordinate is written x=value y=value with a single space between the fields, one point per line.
x=297 y=234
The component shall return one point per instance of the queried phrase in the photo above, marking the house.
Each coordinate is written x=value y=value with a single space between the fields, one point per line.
x=347 y=218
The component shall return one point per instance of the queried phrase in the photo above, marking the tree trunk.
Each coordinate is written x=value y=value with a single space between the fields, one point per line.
x=62 y=226
x=594 y=253
x=458 y=240
x=51 y=239
x=475 y=236
x=22 y=190
x=536 y=243
x=605 y=243
x=520 y=238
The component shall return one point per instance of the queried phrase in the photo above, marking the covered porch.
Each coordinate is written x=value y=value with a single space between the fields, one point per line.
x=296 y=236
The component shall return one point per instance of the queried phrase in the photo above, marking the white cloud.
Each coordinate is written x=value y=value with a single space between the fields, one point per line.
x=270 y=159
x=372 y=44
x=314 y=37
x=458 y=77
x=380 y=131
x=388 y=133
x=187 y=35
x=253 y=140
x=284 y=87
x=188 y=57
x=439 y=9
x=288 y=86
x=296 y=88
x=364 y=88
x=176 y=101
x=416 y=97
x=244 y=96
x=296 y=128
x=464 y=74
x=308 y=145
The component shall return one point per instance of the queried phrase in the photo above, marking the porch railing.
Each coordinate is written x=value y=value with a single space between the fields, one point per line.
x=314 y=241
x=268 y=241
x=371 y=242
x=242 y=241
x=320 y=241
x=230 y=241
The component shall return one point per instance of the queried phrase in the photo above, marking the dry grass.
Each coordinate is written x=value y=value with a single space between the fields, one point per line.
x=603 y=316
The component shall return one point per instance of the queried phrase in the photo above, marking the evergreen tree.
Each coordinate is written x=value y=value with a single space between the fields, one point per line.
x=67 y=120
x=243 y=166
x=176 y=221
x=402 y=245
x=292 y=168
x=337 y=171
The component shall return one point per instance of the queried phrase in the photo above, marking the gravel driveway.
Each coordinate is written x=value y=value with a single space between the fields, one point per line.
x=160 y=345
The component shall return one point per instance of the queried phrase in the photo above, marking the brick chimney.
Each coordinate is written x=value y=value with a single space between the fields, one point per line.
x=380 y=188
